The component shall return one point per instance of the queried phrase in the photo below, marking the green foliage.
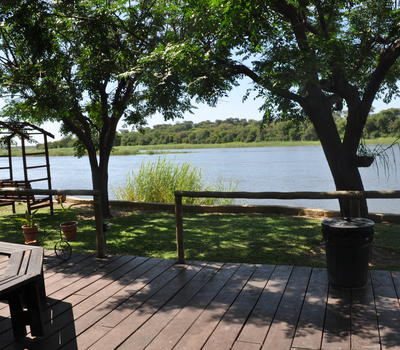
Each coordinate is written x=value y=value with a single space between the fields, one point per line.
x=220 y=131
x=81 y=63
x=157 y=182
x=29 y=219
x=65 y=142
x=383 y=124
x=288 y=48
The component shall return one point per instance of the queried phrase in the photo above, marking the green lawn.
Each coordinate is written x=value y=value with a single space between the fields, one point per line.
x=231 y=238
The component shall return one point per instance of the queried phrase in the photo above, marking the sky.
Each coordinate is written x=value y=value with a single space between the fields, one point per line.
x=231 y=106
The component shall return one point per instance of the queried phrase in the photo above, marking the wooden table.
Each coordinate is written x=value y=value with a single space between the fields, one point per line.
x=22 y=285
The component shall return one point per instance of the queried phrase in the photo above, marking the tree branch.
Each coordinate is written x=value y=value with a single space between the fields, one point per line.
x=297 y=22
x=322 y=21
x=243 y=69
x=386 y=61
x=8 y=49
x=80 y=133
x=103 y=101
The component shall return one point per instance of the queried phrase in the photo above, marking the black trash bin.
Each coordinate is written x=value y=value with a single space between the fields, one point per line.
x=348 y=245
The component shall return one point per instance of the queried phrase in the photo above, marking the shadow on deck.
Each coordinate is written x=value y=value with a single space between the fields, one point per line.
x=135 y=303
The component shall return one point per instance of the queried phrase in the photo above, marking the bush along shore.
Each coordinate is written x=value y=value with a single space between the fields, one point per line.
x=383 y=124
x=185 y=148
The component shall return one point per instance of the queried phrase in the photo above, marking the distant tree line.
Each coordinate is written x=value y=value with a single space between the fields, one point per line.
x=385 y=123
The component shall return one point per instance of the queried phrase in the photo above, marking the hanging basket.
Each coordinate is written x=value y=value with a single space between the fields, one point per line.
x=364 y=161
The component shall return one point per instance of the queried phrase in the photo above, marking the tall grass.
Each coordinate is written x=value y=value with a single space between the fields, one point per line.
x=157 y=181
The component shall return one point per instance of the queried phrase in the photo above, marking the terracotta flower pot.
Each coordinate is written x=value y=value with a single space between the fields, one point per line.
x=69 y=229
x=30 y=234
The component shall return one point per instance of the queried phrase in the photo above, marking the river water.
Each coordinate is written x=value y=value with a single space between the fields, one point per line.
x=296 y=168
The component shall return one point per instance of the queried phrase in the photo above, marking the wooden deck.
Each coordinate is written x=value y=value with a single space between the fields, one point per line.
x=135 y=303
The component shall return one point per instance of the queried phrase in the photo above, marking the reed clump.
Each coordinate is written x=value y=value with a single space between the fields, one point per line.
x=157 y=181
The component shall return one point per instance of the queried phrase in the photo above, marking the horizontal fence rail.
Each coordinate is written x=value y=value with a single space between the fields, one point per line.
x=291 y=195
x=350 y=195
x=98 y=213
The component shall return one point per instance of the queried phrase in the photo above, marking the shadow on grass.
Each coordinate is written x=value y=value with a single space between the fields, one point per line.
x=228 y=238
x=253 y=238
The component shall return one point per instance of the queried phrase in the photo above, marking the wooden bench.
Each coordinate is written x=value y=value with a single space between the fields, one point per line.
x=22 y=285
x=12 y=198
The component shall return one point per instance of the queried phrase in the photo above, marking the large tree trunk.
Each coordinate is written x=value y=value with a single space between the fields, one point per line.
x=347 y=178
x=341 y=159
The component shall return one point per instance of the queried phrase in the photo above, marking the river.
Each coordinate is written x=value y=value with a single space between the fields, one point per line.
x=296 y=168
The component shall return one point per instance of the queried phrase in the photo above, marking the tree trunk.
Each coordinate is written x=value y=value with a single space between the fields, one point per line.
x=341 y=159
x=100 y=183
x=347 y=178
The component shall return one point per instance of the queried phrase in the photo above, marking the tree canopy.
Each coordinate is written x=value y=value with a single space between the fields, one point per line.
x=92 y=63
x=80 y=63
x=307 y=59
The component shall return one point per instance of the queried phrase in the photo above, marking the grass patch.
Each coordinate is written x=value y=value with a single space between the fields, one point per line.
x=253 y=238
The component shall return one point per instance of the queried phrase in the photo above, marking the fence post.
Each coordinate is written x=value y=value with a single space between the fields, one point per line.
x=179 y=229
x=100 y=236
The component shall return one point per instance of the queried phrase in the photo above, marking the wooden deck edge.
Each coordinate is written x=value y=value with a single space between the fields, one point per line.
x=237 y=209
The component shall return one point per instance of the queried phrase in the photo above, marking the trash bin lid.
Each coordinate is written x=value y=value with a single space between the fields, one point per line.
x=348 y=223
x=354 y=225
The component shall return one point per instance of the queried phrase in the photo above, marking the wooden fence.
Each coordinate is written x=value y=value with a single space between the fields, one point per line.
x=100 y=236
x=350 y=195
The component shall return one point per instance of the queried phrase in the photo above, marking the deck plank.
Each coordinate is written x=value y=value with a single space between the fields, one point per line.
x=257 y=326
x=136 y=303
x=388 y=309
x=229 y=328
x=241 y=345
x=197 y=335
x=171 y=334
x=134 y=321
x=65 y=332
x=57 y=312
x=101 y=271
x=101 y=310
x=311 y=323
x=336 y=335
x=143 y=336
x=123 y=310
x=364 y=325
x=283 y=327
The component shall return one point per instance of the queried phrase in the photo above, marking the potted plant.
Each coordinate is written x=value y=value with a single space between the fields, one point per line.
x=29 y=229
x=68 y=228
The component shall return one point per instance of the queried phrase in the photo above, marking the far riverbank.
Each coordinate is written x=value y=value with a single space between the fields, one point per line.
x=158 y=149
